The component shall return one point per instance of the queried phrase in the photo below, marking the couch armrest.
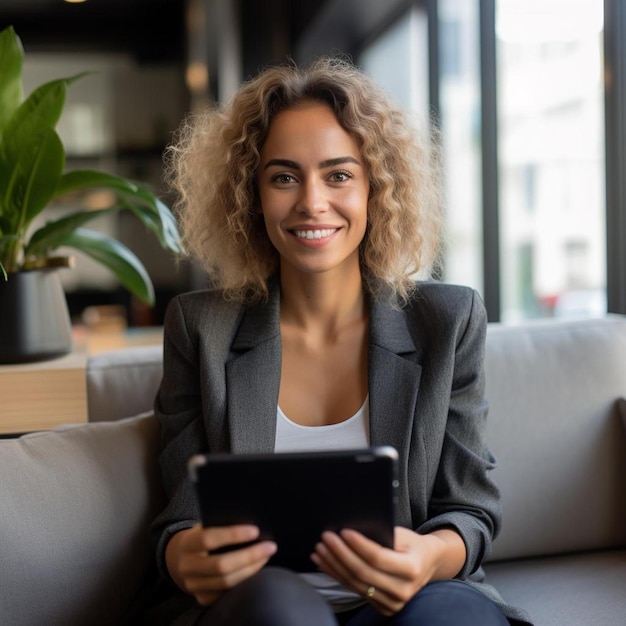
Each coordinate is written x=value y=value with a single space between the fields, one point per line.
x=554 y=428
x=77 y=503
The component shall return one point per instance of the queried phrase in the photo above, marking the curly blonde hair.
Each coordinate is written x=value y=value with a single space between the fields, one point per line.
x=213 y=162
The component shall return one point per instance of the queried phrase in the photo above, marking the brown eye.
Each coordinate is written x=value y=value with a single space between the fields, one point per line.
x=339 y=177
x=283 y=179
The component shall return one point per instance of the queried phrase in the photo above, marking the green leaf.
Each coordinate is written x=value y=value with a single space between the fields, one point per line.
x=54 y=233
x=83 y=179
x=158 y=218
x=39 y=112
x=11 y=59
x=28 y=183
x=124 y=264
x=136 y=197
x=5 y=242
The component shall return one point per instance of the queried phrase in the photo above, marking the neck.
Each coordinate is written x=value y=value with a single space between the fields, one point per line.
x=327 y=301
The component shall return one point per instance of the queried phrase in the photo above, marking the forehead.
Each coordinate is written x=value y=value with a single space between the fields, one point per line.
x=308 y=126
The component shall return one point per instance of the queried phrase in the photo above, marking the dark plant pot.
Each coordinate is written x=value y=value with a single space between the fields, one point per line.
x=34 y=318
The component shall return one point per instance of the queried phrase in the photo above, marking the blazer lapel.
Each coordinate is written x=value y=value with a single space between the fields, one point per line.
x=253 y=378
x=394 y=377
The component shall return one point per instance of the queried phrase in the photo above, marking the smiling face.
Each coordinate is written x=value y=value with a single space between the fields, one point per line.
x=313 y=191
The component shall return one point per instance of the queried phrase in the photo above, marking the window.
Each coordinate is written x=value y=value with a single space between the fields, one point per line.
x=551 y=155
x=398 y=61
x=520 y=91
x=460 y=120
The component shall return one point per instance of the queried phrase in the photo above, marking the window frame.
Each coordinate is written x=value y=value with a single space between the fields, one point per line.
x=615 y=142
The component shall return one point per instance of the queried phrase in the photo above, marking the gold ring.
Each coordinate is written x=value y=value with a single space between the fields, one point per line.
x=371 y=590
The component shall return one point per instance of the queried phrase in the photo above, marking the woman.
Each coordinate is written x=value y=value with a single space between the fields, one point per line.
x=312 y=204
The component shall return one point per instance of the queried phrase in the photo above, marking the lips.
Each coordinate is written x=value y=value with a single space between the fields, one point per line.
x=321 y=233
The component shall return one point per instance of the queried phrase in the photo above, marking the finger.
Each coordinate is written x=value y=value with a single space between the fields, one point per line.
x=371 y=552
x=211 y=575
x=327 y=562
x=378 y=598
x=199 y=539
x=223 y=536
x=402 y=568
x=208 y=589
x=381 y=600
x=254 y=556
x=203 y=563
x=343 y=556
x=341 y=562
x=219 y=582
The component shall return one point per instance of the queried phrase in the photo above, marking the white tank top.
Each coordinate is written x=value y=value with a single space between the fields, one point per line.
x=351 y=433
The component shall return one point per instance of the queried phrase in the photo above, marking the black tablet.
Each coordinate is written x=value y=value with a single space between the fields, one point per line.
x=293 y=497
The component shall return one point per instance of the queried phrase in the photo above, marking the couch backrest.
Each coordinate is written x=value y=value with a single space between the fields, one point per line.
x=553 y=426
x=75 y=507
x=556 y=434
x=123 y=382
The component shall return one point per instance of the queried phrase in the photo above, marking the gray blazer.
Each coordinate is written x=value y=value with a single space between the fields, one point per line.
x=219 y=393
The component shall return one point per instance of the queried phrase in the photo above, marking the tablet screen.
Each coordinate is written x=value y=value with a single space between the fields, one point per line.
x=294 y=497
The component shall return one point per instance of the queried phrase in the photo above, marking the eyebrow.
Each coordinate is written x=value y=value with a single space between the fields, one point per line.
x=321 y=165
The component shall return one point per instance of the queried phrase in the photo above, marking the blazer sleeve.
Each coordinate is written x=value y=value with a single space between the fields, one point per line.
x=178 y=407
x=464 y=496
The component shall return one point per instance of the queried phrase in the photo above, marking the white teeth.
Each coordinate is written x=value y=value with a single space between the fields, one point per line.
x=315 y=234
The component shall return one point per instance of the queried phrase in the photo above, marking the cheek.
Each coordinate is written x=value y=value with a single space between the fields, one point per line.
x=360 y=207
x=273 y=236
x=275 y=208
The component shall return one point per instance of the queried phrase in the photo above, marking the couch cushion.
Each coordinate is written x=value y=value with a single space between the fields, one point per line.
x=123 y=382
x=75 y=508
x=578 y=590
x=554 y=428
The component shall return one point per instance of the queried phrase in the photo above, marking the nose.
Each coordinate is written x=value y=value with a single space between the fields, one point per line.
x=312 y=198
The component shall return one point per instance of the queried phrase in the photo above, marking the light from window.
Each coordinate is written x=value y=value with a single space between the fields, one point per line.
x=551 y=157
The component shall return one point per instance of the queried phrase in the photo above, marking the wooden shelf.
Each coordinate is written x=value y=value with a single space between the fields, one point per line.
x=43 y=395
x=103 y=340
x=48 y=394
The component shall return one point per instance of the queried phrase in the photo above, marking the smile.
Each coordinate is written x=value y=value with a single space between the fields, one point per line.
x=314 y=234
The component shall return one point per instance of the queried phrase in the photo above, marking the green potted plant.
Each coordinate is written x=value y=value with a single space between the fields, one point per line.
x=34 y=321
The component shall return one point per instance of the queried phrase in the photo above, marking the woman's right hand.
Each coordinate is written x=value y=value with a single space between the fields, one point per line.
x=206 y=576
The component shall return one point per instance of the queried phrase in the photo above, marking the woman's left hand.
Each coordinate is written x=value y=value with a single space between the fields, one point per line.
x=388 y=578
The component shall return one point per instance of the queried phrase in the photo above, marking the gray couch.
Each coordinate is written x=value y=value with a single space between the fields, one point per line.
x=75 y=503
